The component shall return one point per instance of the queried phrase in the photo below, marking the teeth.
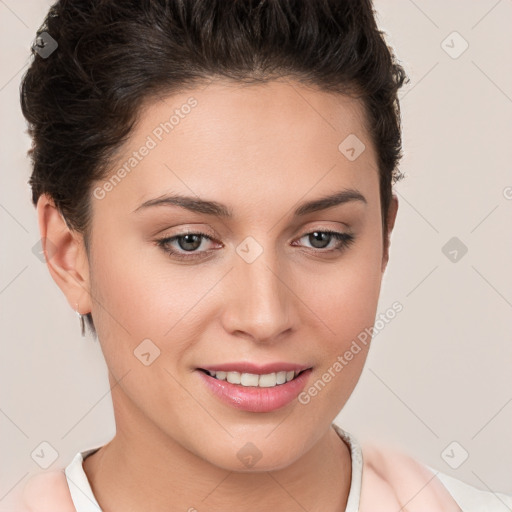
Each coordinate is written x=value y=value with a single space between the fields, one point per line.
x=233 y=377
x=268 y=380
x=281 y=377
x=249 y=379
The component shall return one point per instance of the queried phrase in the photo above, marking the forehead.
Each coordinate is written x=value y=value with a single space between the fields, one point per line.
x=245 y=141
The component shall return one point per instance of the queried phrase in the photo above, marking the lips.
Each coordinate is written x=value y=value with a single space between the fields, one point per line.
x=255 y=388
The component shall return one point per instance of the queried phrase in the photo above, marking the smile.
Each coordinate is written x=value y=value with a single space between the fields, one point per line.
x=266 y=380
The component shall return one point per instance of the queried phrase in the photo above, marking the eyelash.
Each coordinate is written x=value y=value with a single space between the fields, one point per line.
x=346 y=240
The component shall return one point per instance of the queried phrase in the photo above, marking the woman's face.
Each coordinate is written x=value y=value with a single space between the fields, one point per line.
x=263 y=294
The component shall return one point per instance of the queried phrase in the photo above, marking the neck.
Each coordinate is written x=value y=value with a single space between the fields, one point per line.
x=143 y=469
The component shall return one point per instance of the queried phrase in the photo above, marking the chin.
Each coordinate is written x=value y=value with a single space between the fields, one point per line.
x=241 y=455
x=255 y=463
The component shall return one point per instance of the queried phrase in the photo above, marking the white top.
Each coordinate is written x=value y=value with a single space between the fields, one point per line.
x=79 y=487
x=469 y=498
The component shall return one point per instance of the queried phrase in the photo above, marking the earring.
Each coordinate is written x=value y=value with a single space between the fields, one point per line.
x=82 y=322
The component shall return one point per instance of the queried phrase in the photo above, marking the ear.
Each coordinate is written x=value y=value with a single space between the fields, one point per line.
x=65 y=255
x=392 y=211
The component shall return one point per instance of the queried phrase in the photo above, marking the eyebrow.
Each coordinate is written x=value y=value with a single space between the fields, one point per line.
x=220 y=210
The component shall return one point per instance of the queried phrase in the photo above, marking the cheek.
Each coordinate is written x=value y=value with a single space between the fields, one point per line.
x=345 y=293
x=139 y=294
x=345 y=298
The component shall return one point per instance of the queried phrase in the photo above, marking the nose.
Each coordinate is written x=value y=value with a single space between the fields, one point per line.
x=261 y=303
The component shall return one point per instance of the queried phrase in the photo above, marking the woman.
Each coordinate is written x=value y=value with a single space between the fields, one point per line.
x=213 y=182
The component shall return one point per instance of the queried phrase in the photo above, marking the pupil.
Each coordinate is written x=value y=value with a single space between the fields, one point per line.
x=321 y=236
x=195 y=244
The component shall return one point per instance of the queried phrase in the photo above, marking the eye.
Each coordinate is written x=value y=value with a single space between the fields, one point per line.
x=322 y=238
x=187 y=242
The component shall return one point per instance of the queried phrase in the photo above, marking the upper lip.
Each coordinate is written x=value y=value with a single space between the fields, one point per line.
x=259 y=369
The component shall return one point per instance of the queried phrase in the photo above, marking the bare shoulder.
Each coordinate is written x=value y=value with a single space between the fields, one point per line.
x=47 y=492
x=393 y=480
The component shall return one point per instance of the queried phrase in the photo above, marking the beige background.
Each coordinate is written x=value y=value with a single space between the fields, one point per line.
x=438 y=373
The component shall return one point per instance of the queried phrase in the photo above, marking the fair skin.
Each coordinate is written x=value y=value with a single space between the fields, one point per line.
x=260 y=150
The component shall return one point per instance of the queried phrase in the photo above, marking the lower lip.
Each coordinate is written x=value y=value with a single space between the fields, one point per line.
x=256 y=399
